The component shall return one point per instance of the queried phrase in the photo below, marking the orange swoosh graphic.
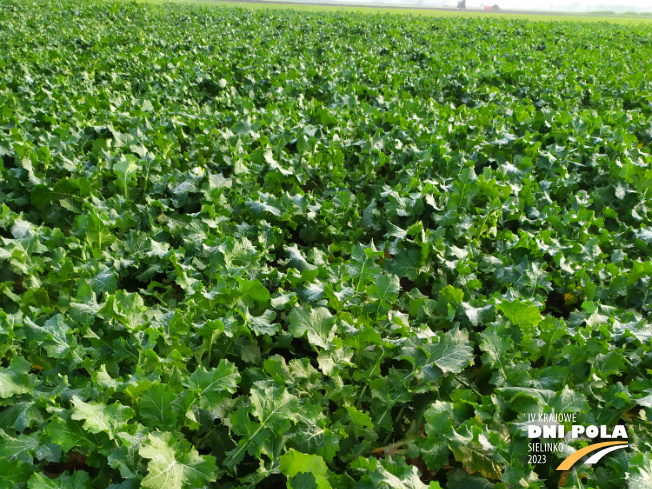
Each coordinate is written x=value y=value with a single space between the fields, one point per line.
x=571 y=459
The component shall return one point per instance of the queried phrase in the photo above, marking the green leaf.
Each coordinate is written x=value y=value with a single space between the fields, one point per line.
x=100 y=417
x=385 y=289
x=640 y=467
x=273 y=406
x=452 y=353
x=362 y=266
x=478 y=316
x=125 y=169
x=459 y=479
x=263 y=324
x=251 y=293
x=21 y=415
x=394 y=231
x=20 y=472
x=476 y=453
x=359 y=418
x=16 y=379
x=155 y=406
x=125 y=458
x=104 y=281
x=213 y=386
x=274 y=410
x=530 y=400
x=521 y=314
x=54 y=336
x=176 y=465
x=296 y=259
x=464 y=188
x=406 y=264
x=302 y=480
x=496 y=346
x=78 y=480
x=389 y=475
x=317 y=323
x=439 y=425
x=20 y=448
x=453 y=295
x=293 y=463
x=126 y=308
x=69 y=434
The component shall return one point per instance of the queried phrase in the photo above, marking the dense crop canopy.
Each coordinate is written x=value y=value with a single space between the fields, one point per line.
x=246 y=248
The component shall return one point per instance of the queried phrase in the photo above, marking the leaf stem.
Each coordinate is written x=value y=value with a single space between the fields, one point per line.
x=396 y=420
x=357 y=287
x=472 y=388
x=366 y=384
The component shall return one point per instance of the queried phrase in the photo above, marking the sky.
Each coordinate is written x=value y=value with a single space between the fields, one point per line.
x=581 y=5
x=556 y=5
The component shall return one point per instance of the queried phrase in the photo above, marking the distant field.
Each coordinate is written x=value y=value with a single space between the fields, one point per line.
x=628 y=18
